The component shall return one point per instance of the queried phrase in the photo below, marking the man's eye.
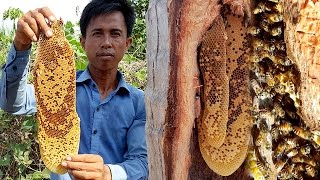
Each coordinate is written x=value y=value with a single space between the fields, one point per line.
x=96 y=33
x=116 y=34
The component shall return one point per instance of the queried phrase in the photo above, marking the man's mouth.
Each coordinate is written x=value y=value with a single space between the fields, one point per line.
x=105 y=54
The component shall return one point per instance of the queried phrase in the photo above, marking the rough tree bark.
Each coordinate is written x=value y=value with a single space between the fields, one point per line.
x=174 y=31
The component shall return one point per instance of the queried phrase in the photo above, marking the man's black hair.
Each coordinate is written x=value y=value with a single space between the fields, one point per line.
x=99 y=7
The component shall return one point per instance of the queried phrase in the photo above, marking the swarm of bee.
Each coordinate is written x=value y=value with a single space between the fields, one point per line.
x=283 y=146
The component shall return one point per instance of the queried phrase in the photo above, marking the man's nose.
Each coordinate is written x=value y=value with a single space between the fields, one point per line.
x=106 y=42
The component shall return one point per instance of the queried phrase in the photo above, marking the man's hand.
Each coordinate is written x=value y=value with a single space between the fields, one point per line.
x=30 y=25
x=87 y=166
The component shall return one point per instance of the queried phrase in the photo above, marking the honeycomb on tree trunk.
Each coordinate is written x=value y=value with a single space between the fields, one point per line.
x=284 y=144
x=224 y=129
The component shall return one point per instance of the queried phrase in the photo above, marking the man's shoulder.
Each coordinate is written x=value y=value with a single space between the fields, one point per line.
x=135 y=91
x=79 y=72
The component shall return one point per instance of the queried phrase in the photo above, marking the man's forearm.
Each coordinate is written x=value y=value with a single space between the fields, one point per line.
x=16 y=96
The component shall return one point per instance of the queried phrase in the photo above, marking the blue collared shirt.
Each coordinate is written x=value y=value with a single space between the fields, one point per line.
x=113 y=128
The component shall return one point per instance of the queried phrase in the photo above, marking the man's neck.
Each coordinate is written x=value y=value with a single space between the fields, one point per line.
x=106 y=81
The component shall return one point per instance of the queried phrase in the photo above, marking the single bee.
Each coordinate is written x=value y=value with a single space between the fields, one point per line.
x=260 y=138
x=292 y=152
x=302 y=159
x=305 y=150
x=270 y=48
x=253 y=30
x=277 y=108
x=279 y=8
x=297 y=174
x=298 y=159
x=311 y=171
x=284 y=61
x=273 y=18
x=264 y=25
x=256 y=173
x=310 y=162
x=275 y=133
x=258 y=71
x=292 y=142
x=264 y=169
x=280 y=149
x=279 y=165
x=285 y=128
x=280 y=45
x=256 y=86
x=285 y=174
x=261 y=7
x=257 y=44
x=255 y=58
x=303 y=133
x=276 y=31
x=300 y=167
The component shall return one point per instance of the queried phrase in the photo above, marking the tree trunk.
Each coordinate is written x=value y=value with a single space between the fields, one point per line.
x=174 y=32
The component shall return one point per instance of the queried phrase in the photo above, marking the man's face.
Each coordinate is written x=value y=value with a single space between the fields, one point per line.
x=106 y=41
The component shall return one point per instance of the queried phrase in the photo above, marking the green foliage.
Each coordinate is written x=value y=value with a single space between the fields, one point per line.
x=18 y=148
x=73 y=37
x=5 y=42
x=140 y=7
x=138 y=47
x=12 y=14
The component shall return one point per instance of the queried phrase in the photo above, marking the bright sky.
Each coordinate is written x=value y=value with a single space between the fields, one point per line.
x=61 y=8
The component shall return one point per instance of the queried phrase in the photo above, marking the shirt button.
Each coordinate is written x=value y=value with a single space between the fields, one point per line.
x=98 y=109
x=14 y=68
x=94 y=86
x=95 y=131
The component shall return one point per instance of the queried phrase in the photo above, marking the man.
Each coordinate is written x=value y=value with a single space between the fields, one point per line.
x=112 y=113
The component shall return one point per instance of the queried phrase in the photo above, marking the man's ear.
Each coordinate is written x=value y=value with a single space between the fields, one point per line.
x=128 y=42
x=82 y=41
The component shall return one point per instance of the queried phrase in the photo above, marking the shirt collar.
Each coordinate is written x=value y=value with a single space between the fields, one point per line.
x=85 y=75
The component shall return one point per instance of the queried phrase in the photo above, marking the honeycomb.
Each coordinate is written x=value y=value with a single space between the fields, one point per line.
x=54 y=82
x=225 y=71
x=216 y=83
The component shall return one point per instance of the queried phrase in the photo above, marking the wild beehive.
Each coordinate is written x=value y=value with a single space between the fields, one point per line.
x=270 y=94
x=54 y=82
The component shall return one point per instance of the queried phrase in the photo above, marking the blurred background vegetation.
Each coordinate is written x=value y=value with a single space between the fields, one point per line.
x=19 y=153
